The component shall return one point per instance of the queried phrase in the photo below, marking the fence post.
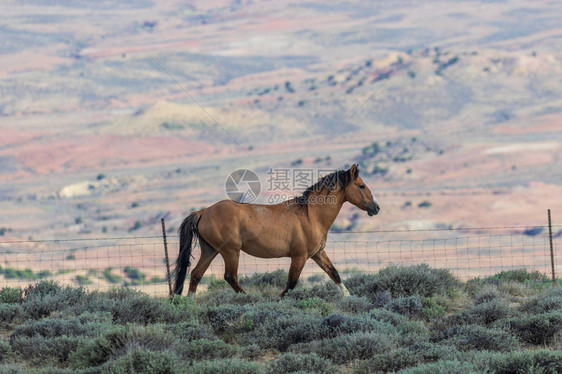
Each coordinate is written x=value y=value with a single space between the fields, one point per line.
x=167 y=258
x=551 y=249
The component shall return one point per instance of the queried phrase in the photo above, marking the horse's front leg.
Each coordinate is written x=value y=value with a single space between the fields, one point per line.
x=297 y=264
x=322 y=259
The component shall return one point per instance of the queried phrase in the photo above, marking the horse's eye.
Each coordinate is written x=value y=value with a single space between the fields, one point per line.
x=362 y=186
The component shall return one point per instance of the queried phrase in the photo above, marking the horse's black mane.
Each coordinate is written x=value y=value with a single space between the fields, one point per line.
x=330 y=181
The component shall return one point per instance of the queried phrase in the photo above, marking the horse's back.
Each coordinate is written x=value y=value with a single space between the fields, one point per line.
x=260 y=230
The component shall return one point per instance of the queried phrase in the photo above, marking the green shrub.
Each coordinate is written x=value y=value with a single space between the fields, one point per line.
x=5 y=351
x=349 y=347
x=115 y=342
x=218 y=284
x=410 y=306
x=424 y=204
x=135 y=276
x=143 y=361
x=90 y=325
x=355 y=304
x=25 y=274
x=188 y=331
x=401 y=358
x=387 y=316
x=225 y=296
x=276 y=278
x=292 y=363
x=46 y=297
x=541 y=361
x=517 y=275
x=326 y=291
x=549 y=301
x=314 y=304
x=432 y=309
x=227 y=366
x=42 y=289
x=110 y=277
x=281 y=330
x=44 y=274
x=83 y=280
x=41 y=350
x=10 y=313
x=483 y=314
x=536 y=329
x=13 y=369
x=387 y=362
x=444 y=367
x=521 y=276
x=401 y=281
x=204 y=349
x=229 y=318
x=486 y=294
x=337 y=324
x=252 y=352
x=416 y=280
x=476 y=337
x=363 y=285
x=131 y=306
x=11 y=295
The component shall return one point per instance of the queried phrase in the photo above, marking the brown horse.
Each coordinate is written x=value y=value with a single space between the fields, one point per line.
x=295 y=228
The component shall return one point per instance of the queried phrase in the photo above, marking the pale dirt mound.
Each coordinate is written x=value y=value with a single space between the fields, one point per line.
x=97 y=187
x=524 y=147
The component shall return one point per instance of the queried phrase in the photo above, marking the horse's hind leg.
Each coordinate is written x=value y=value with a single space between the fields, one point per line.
x=297 y=264
x=231 y=258
x=322 y=259
x=208 y=254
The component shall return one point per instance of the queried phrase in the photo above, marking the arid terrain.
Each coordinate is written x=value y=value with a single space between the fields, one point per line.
x=115 y=114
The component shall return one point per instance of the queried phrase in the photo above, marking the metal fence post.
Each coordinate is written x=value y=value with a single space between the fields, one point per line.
x=167 y=258
x=551 y=249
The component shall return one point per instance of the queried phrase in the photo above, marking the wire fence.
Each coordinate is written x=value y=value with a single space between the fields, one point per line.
x=139 y=262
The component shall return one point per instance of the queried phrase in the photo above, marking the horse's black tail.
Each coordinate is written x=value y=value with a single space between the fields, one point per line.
x=188 y=232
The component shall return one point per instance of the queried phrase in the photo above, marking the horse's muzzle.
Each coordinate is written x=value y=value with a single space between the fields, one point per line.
x=373 y=209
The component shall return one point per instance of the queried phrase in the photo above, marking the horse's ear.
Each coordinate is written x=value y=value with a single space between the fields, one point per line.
x=354 y=171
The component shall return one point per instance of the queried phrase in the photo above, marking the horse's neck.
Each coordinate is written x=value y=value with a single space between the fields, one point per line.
x=325 y=211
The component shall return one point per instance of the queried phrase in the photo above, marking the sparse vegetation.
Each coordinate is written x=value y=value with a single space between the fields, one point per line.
x=111 y=277
x=136 y=226
x=135 y=276
x=424 y=204
x=83 y=280
x=172 y=126
x=4 y=230
x=289 y=87
x=25 y=274
x=408 y=319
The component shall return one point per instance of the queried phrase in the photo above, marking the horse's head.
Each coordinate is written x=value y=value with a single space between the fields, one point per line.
x=358 y=194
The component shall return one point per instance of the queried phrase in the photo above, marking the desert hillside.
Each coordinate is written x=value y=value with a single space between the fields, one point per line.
x=117 y=113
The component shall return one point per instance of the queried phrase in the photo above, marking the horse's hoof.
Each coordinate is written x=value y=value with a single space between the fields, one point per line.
x=344 y=291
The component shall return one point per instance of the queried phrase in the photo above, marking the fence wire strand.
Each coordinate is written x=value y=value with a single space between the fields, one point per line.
x=139 y=262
